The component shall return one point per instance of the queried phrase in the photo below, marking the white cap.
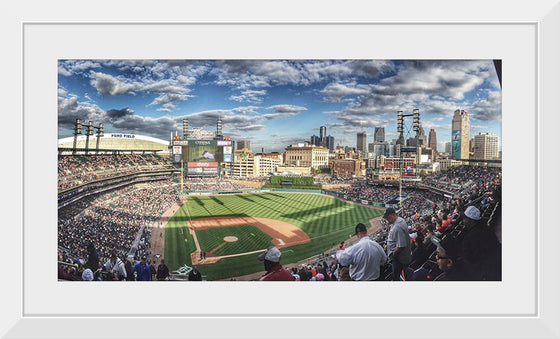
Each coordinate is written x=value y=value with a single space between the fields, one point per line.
x=271 y=254
x=87 y=275
x=472 y=213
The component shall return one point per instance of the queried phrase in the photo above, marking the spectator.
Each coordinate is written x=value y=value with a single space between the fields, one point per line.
x=115 y=268
x=162 y=271
x=345 y=274
x=93 y=259
x=448 y=256
x=481 y=248
x=274 y=271
x=87 y=275
x=295 y=274
x=398 y=243
x=128 y=268
x=194 y=275
x=364 y=258
x=304 y=274
x=142 y=270
x=152 y=270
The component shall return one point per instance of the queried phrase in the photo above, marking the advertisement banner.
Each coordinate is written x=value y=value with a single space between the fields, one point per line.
x=194 y=170
x=176 y=157
x=227 y=149
x=224 y=143
x=227 y=158
x=456 y=144
x=364 y=202
x=202 y=164
x=177 y=149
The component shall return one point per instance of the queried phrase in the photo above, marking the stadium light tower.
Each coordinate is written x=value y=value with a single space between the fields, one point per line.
x=89 y=131
x=416 y=128
x=100 y=134
x=400 y=129
x=77 y=130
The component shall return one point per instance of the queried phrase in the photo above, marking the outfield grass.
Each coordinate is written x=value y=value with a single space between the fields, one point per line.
x=326 y=220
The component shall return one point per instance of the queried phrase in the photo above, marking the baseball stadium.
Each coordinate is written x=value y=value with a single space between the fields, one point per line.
x=183 y=208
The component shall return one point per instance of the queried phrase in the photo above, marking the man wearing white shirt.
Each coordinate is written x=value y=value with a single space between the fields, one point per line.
x=364 y=257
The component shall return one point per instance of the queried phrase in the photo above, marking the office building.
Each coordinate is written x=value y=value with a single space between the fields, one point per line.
x=361 y=142
x=448 y=147
x=486 y=146
x=330 y=143
x=432 y=139
x=460 y=135
x=243 y=144
x=379 y=134
x=315 y=140
x=307 y=155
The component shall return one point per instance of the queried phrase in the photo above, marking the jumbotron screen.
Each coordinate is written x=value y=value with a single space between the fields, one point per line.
x=202 y=151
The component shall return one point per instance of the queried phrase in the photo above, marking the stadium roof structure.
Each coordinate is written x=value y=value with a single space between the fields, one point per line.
x=117 y=142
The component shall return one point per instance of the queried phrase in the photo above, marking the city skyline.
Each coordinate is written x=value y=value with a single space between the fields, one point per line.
x=275 y=103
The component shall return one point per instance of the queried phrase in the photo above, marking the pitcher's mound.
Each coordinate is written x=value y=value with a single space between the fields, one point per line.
x=230 y=239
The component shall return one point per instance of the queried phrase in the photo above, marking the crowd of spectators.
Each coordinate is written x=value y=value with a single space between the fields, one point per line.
x=460 y=179
x=108 y=224
x=365 y=191
x=211 y=184
x=75 y=170
x=460 y=224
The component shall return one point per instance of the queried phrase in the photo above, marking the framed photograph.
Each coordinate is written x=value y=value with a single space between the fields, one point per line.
x=44 y=42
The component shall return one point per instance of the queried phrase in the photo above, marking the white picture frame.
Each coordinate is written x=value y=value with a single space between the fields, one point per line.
x=33 y=305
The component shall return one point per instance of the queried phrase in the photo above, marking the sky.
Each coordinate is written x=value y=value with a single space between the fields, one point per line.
x=274 y=103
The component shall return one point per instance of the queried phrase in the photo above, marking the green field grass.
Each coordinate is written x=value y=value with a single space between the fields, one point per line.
x=326 y=220
x=250 y=238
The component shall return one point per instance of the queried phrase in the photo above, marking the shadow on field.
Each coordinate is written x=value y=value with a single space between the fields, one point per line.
x=296 y=215
x=218 y=201
x=201 y=203
x=258 y=203
x=296 y=202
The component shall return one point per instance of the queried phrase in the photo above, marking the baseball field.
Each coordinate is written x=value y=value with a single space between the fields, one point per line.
x=223 y=234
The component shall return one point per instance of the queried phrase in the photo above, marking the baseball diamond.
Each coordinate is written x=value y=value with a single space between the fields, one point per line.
x=301 y=224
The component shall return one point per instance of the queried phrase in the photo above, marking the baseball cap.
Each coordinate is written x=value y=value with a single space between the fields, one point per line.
x=271 y=254
x=388 y=212
x=472 y=213
x=450 y=245
x=360 y=228
x=87 y=275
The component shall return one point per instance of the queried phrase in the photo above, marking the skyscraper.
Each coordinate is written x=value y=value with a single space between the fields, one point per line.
x=460 y=133
x=432 y=140
x=323 y=133
x=315 y=140
x=379 y=134
x=330 y=143
x=242 y=144
x=422 y=138
x=486 y=146
x=448 y=147
x=361 y=142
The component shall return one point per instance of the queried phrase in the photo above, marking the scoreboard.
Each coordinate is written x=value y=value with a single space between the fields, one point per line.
x=202 y=157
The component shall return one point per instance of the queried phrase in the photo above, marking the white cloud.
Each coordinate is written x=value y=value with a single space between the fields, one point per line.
x=249 y=96
x=71 y=67
x=334 y=92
